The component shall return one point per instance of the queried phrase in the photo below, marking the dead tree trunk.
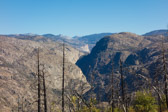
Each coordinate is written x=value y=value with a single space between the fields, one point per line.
x=112 y=89
x=122 y=86
x=39 y=87
x=83 y=100
x=18 y=103
x=156 y=78
x=63 y=73
x=159 y=102
x=165 y=73
x=122 y=82
x=22 y=104
x=45 y=94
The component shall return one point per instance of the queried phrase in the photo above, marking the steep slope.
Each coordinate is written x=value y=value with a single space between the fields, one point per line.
x=111 y=47
x=139 y=54
x=18 y=68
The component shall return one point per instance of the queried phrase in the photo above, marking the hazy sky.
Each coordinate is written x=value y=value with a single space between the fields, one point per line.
x=82 y=17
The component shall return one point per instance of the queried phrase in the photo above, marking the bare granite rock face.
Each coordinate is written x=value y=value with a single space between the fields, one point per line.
x=139 y=54
x=18 y=69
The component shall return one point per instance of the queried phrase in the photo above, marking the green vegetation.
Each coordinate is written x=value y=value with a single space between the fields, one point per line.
x=145 y=102
x=142 y=102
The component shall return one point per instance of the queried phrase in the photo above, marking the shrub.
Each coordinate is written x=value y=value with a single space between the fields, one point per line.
x=144 y=102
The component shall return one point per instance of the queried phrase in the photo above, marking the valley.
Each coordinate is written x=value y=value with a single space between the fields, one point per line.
x=90 y=62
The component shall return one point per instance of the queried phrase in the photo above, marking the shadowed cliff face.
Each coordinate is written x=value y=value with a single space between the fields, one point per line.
x=18 y=68
x=139 y=54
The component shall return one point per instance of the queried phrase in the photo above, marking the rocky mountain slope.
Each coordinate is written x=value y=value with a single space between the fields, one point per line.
x=84 y=43
x=139 y=54
x=18 y=64
x=18 y=68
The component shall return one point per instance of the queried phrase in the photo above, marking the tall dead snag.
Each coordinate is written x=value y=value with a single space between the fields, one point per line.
x=18 y=103
x=122 y=86
x=39 y=87
x=156 y=82
x=165 y=73
x=112 y=89
x=83 y=100
x=63 y=73
x=92 y=86
x=44 y=87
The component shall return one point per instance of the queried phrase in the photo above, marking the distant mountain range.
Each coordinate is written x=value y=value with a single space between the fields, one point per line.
x=157 y=32
x=92 y=39
x=83 y=43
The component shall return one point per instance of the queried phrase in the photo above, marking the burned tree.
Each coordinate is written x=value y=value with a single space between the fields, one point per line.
x=39 y=81
x=44 y=90
x=122 y=87
x=63 y=74
x=122 y=82
x=41 y=85
x=112 y=89
x=165 y=73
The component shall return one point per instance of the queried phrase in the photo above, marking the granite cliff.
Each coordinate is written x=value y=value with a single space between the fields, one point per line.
x=139 y=54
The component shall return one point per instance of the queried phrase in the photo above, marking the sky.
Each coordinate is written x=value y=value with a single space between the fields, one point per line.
x=82 y=17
